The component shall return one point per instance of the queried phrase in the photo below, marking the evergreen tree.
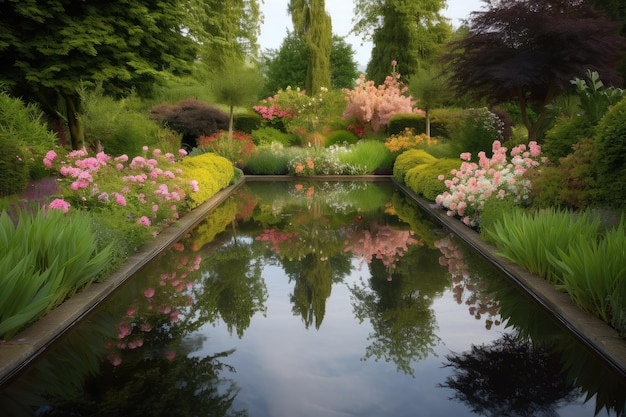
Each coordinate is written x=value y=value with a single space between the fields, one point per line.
x=314 y=26
x=410 y=33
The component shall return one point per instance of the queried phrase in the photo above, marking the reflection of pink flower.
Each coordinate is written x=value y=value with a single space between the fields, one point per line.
x=149 y=292
x=170 y=355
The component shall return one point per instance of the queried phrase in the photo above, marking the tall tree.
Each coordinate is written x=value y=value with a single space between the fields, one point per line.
x=225 y=29
x=287 y=66
x=616 y=11
x=529 y=50
x=409 y=32
x=50 y=47
x=314 y=26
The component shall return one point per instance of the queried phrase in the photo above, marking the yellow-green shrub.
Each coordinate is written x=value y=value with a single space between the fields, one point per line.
x=212 y=172
x=424 y=179
x=409 y=159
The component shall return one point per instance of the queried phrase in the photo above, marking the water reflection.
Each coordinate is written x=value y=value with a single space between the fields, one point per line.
x=315 y=299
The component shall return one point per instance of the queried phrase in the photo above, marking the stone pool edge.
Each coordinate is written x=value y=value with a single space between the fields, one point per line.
x=27 y=345
x=20 y=351
x=598 y=335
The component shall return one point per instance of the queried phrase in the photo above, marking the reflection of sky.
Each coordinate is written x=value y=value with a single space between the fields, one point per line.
x=285 y=370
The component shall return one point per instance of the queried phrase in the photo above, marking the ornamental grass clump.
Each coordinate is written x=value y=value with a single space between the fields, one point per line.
x=44 y=259
x=473 y=183
x=593 y=272
x=531 y=240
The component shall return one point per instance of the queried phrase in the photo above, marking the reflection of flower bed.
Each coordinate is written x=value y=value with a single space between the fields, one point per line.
x=465 y=290
x=159 y=301
x=383 y=242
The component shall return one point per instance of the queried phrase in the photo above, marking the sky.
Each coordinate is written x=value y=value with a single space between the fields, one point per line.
x=277 y=22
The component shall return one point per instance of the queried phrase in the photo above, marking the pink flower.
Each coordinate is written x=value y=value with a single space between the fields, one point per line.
x=149 y=292
x=59 y=204
x=182 y=152
x=144 y=221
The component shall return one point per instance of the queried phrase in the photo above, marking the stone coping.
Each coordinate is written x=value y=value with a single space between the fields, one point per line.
x=28 y=344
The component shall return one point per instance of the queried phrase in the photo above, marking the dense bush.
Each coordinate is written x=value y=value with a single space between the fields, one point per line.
x=237 y=148
x=610 y=156
x=407 y=160
x=339 y=137
x=425 y=179
x=369 y=156
x=13 y=167
x=247 y=122
x=23 y=125
x=268 y=161
x=480 y=128
x=401 y=121
x=265 y=136
x=211 y=173
x=494 y=209
x=406 y=140
x=192 y=118
x=562 y=136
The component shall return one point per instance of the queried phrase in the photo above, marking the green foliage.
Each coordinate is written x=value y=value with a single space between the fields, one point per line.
x=247 y=122
x=424 y=179
x=479 y=130
x=46 y=258
x=529 y=240
x=493 y=210
x=267 y=161
x=401 y=121
x=23 y=125
x=265 y=136
x=593 y=272
x=445 y=121
x=570 y=183
x=595 y=99
x=237 y=148
x=369 y=155
x=13 y=167
x=610 y=156
x=560 y=139
x=339 y=137
x=409 y=159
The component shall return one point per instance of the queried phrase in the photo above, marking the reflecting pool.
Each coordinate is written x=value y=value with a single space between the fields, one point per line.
x=317 y=299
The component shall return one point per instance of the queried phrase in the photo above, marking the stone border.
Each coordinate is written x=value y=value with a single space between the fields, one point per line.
x=598 y=335
x=20 y=351
x=27 y=345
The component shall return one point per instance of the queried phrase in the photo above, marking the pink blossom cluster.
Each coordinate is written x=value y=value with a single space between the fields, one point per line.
x=160 y=304
x=151 y=185
x=273 y=111
x=383 y=242
x=473 y=183
x=374 y=105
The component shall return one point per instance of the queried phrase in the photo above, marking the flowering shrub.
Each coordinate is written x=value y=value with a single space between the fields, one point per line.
x=373 y=106
x=147 y=189
x=473 y=183
x=237 y=149
x=408 y=140
x=282 y=106
x=325 y=163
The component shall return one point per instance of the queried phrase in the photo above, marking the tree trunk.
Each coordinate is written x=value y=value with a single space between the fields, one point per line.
x=231 y=118
x=74 y=122
x=427 y=114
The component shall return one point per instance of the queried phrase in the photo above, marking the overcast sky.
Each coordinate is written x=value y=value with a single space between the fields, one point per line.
x=277 y=22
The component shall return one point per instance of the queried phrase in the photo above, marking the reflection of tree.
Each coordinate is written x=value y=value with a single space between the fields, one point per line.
x=510 y=377
x=583 y=367
x=314 y=278
x=403 y=324
x=231 y=286
x=156 y=386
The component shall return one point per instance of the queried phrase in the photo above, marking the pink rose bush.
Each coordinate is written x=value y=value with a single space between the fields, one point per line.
x=498 y=177
x=148 y=188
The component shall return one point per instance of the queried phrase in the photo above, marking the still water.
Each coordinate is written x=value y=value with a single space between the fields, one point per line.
x=317 y=299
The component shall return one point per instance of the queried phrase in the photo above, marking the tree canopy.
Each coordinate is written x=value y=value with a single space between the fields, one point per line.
x=313 y=24
x=50 y=47
x=410 y=33
x=287 y=66
x=529 y=50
